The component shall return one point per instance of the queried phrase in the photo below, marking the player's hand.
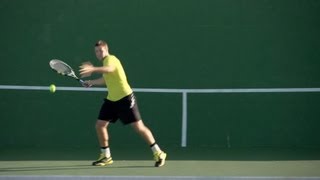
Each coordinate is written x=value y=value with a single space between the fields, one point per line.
x=87 y=84
x=86 y=69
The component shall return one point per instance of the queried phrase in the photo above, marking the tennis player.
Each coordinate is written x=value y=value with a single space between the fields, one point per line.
x=120 y=103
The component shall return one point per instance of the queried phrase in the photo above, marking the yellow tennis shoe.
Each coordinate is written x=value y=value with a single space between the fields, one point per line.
x=103 y=161
x=160 y=158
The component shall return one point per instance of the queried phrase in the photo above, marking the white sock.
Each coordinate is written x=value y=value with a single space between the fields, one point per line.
x=155 y=148
x=106 y=151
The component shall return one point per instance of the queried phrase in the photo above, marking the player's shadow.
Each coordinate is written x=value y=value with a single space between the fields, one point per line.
x=64 y=168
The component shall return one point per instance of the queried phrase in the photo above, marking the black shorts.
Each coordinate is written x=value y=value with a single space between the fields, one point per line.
x=125 y=109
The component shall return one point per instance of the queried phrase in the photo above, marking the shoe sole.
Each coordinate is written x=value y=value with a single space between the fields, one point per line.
x=103 y=164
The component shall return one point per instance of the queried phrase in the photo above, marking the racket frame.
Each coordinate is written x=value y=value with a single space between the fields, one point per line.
x=71 y=74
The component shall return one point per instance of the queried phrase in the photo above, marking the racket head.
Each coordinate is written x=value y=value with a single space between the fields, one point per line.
x=62 y=68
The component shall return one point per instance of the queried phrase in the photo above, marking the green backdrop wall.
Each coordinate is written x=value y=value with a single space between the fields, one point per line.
x=165 y=44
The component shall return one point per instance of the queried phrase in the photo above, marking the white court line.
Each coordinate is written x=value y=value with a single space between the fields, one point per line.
x=46 y=177
x=183 y=91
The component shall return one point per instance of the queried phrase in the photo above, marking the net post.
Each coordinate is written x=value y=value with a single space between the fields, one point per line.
x=184 y=119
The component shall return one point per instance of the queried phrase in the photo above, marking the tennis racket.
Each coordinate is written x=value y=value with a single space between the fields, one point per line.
x=64 y=69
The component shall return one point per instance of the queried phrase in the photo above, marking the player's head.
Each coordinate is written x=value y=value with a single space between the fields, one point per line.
x=101 y=49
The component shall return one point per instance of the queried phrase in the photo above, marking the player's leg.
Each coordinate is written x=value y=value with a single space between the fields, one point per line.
x=107 y=115
x=146 y=134
x=129 y=114
x=143 y=131
x=102 y=132
x=103 y=138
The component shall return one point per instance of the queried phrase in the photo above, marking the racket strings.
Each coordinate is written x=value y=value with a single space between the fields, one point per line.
x=61 y=68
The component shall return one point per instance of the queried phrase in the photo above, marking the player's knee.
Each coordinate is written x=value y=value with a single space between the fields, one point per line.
x=101 y=124
x=140 y=128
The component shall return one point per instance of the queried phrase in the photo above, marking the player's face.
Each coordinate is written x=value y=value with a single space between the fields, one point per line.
x=101 y=52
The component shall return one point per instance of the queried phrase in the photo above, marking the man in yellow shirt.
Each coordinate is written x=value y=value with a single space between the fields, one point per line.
x=120 y=103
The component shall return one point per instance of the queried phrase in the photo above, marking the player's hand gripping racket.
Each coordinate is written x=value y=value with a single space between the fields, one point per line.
x=64 y=69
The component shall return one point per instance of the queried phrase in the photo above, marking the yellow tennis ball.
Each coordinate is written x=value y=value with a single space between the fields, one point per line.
x=52 y=88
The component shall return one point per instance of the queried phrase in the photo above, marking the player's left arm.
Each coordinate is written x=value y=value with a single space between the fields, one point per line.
x=86 y=69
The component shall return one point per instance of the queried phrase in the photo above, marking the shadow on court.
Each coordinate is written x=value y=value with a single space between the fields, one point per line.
x=43 y=168
x=65 y=168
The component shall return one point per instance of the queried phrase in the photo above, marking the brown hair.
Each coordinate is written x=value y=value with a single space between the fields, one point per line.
x=101 y=43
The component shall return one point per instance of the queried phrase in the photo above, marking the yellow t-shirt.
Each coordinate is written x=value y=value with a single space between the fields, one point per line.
x=116 y=81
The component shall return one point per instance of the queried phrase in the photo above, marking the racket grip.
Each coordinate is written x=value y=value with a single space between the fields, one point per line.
x=84 y=84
